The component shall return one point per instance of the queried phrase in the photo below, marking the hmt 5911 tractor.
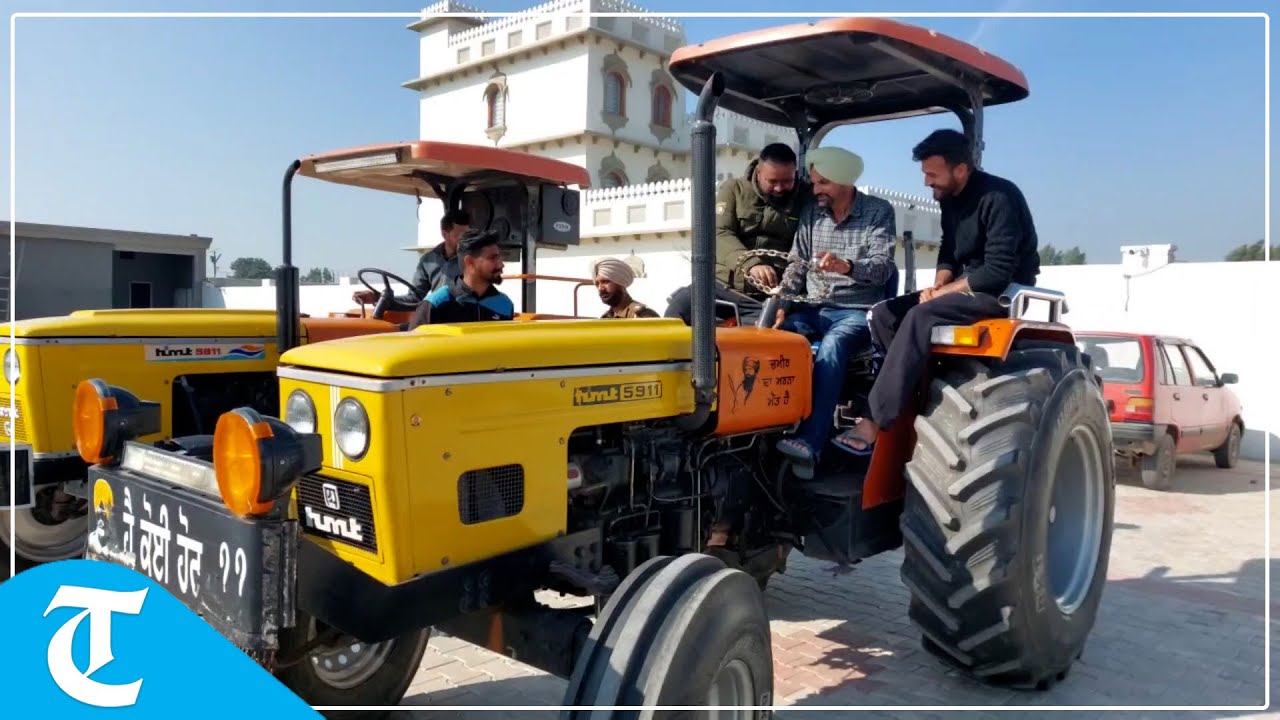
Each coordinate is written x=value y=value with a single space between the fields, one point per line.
x=200 y=363
x=442 y=477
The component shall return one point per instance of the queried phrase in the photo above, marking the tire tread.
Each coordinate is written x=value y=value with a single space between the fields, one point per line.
x=962 y=520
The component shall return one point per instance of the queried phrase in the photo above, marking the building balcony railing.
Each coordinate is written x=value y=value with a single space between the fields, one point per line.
x=666 y=206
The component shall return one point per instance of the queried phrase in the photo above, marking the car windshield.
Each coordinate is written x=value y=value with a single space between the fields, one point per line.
x=1118 y=359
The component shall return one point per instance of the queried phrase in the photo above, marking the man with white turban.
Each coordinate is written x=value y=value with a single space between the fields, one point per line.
x=612 y=277
x=848 y=237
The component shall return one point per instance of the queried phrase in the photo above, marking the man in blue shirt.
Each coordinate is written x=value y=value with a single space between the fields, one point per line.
x=473 y=296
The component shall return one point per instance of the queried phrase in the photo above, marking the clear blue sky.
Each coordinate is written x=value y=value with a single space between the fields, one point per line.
x=1136 y=130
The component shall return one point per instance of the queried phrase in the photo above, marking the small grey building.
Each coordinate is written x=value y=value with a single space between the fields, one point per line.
x=61 y=268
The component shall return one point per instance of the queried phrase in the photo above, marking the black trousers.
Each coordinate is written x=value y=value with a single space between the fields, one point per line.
x=900 y=329
x=680 y=305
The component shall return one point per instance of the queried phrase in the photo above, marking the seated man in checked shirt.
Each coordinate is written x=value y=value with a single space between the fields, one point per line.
x=850 y=238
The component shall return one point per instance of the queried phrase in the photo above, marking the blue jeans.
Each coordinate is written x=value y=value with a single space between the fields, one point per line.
x=843 y=333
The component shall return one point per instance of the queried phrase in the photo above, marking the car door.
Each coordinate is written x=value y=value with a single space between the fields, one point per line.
x=1176 y=396
x=1207 y=399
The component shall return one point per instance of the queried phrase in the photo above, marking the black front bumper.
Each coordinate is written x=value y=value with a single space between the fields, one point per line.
x=23 y=479
x=238 y=575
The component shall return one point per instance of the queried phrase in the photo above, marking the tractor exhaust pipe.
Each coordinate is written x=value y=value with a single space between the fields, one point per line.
x=703 y=292
x=288 y=305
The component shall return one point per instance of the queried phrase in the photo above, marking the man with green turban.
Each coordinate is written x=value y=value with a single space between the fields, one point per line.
x=848 y=239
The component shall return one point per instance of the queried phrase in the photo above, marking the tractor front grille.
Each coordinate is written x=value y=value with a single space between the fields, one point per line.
x=490 y=494
x=338 y=510
x=14 y=427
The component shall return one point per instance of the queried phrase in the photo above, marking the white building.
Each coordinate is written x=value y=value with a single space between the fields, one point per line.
x=595 y=91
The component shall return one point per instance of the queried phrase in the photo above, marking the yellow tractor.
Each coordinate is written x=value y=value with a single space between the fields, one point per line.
x=199 y=363
x=446 y=476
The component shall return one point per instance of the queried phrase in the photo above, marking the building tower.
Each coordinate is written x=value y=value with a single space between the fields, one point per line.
x=595 y=92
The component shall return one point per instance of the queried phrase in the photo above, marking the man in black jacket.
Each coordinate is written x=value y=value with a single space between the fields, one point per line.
x=988 y=242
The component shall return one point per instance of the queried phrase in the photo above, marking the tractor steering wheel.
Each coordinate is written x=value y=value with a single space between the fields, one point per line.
x=387 y=297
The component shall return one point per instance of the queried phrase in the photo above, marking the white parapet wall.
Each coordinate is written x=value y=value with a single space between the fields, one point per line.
x=1183 y=299
x=666 y=207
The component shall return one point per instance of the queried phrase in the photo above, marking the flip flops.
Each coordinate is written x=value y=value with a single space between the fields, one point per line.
x=796 y=449
x=845 y=441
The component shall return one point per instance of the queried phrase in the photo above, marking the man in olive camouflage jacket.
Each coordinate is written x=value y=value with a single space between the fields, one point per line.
x=758 y=211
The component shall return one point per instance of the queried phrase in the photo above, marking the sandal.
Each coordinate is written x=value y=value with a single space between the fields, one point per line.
x=852 y=444
x=796 y=449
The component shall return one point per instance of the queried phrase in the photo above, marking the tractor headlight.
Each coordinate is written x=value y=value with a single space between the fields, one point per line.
x=300 y=412
x=258 y=459
x=12 y=368
x=105 y=417
x=351 y=428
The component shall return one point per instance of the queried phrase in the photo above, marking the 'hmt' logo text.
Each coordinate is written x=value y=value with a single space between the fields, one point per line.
x=348 y=528
x=625 y=392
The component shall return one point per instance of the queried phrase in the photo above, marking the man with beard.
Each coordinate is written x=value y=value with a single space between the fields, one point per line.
x=758 y=211
x=473 y=296
x=988 y=239
x=848 y=237
x=613 y=277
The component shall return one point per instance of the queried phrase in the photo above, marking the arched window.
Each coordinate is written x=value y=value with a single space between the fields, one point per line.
x=615 y=97
x=613 y=178
x=661 y=115
x=496 y=101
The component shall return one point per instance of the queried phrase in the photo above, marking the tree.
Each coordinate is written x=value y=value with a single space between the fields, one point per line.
x=320 y=275
x=1049 y=255
x=214 y=257
x=1251 y=252
x=1074 y=256
x=250 y=268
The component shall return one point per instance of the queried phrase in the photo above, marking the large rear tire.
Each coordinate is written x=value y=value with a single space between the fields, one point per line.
x=352 y=673
x=686 y=631
x=1009 y=513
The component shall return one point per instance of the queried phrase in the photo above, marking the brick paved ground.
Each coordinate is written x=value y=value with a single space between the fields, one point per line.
x=1181 y=623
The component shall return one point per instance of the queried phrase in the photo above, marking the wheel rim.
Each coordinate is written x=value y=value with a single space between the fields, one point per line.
x=732 y=686
x=1075 y=520
x=38 y=537
x=1235 y=442
x=348 y=664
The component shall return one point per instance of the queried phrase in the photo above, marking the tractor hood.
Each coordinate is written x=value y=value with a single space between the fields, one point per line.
x=499 y=347
x=149 y=323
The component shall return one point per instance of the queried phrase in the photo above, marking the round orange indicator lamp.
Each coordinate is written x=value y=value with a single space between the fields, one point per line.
x=105 y=417
x=257 y=460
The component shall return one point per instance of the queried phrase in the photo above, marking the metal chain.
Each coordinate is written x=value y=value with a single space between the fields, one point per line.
x=816 y=286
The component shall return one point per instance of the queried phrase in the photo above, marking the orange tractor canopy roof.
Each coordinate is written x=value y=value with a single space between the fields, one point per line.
x=426 y=167
x=846 y=70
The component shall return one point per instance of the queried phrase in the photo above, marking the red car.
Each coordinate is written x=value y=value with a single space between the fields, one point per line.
x=1168 y=400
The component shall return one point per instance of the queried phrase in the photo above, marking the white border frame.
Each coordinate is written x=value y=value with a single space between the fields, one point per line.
x=1266 y=18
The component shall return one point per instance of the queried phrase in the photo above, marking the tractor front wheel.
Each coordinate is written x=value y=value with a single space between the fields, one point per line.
x=348 y=672
x=687 y=632
x=53 y=530
x=1008 y=514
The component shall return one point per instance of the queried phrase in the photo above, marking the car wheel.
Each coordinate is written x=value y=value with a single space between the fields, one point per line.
x=1229 y=454
x=1157 y=469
